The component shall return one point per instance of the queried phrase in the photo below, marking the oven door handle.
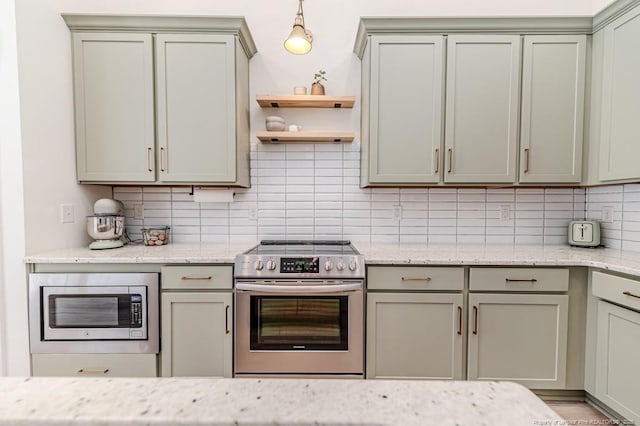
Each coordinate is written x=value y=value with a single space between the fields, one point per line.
x=300 y=289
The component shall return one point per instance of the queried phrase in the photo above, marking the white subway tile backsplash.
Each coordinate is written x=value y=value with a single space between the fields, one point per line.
x=313 y=190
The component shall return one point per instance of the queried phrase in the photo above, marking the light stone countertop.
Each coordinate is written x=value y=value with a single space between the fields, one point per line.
x=377 y=253
x=198 y=401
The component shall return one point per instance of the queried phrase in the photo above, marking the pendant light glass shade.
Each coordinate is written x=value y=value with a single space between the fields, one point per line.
x=299 y=41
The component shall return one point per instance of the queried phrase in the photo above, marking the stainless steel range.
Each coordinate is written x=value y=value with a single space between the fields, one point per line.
x=299 y=309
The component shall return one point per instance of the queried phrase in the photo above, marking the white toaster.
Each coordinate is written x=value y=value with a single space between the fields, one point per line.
x=584 y=233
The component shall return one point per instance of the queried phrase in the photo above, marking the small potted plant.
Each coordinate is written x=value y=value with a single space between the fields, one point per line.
x=317 y=88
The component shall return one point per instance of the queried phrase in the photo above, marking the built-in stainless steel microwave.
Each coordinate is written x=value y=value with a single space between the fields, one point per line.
x=94 y=313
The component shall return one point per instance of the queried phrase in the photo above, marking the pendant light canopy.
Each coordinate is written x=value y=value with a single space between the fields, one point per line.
x=299 y=41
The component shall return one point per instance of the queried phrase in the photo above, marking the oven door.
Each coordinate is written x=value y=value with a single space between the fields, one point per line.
x=94 y=313
x=299 y=327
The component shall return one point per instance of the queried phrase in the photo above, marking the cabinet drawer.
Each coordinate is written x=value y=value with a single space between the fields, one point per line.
x=623 y=291
x=414 y=278
x=94 y=365
x=518 y=279
x=197 y=277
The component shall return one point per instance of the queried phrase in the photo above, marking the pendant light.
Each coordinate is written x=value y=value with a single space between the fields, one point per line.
x=299 y=41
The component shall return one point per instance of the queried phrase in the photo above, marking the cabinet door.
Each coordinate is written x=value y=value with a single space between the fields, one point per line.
x=196 y=107
x=617 y=374
x=483 y=81
x=405 y=115
x=553 y=83
x=518 y=337
x=196 y=334
x=113 y=94
x=414 y=335
x=620 y=127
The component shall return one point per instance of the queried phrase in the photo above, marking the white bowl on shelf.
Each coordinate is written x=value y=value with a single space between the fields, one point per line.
x=274 y=123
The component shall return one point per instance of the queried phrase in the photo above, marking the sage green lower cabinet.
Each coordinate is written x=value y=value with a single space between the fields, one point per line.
x=518 y=337
x=617 y=377
x=94 y=365
x=617 y=373
x=196 y=334
x=416 y=336
x=196 y=321
x=415 y=322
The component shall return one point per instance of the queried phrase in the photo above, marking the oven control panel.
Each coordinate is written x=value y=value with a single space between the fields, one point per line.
x=294 y=265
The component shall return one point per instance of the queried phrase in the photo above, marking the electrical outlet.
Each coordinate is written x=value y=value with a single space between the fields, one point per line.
x=66 y=213
x=505 y=213
x=252 y=213
x=138 y=211
x=397 y=212
x=607 y=214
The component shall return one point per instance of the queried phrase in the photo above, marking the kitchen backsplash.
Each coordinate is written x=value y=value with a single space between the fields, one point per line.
x=304 y=191
x=624 y=200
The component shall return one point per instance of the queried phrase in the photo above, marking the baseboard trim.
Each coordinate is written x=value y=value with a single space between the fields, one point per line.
x=560 y=395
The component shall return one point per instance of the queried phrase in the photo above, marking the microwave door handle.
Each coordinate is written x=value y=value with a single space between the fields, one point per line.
x=329 y=288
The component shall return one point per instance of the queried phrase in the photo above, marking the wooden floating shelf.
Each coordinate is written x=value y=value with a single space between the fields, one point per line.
x=284 y=137
x=305 y=101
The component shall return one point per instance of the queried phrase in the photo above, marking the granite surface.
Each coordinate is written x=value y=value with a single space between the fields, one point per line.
x=192 y=401
x=396 y=254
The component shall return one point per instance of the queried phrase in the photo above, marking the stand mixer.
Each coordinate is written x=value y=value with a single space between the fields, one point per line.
x=106 y=226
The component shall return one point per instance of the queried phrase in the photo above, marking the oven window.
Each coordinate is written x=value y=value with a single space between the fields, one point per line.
x=80 y=311
x=299 y=323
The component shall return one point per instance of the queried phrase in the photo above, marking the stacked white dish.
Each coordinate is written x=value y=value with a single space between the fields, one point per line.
x=275 y=123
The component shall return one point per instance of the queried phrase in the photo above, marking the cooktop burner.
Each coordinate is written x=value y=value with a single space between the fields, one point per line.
x=301 y=259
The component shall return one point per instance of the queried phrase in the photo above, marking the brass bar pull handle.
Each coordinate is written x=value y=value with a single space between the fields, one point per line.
x=526 y=160
x=93 y=372
x=416 y=279
x=162 y=159
x=459 y=320
x=532 y=281
x=475 y=320
x=197 y=278
x=149 y=151
x=628 y=293
x=437 y=157
x=450 y=154
x=226 y=320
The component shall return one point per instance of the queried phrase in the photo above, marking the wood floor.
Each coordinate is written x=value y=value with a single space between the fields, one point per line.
x=578 y=412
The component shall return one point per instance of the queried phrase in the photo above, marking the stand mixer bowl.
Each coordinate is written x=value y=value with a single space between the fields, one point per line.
x=106 y=230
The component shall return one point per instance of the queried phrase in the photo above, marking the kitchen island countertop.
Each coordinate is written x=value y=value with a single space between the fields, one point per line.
x=191 y=401
x=375 y=254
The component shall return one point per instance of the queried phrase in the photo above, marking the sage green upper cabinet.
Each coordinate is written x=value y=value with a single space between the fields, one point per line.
x=441 y=100
x=405 y=92
x=192 y=72
x=113 y=94
x=196 y=106
x=620 y=126
x=553 y=83
x=483 y=81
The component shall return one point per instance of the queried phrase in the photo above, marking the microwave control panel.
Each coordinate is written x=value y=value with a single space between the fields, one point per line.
x=136 y=311
x=300 y=265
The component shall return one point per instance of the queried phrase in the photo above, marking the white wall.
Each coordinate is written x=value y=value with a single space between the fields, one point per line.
x=12 y=239
x=46 y=113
